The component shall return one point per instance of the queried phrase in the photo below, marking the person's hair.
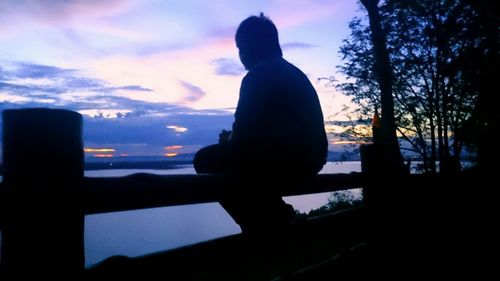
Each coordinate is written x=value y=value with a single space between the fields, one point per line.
x=258 y=36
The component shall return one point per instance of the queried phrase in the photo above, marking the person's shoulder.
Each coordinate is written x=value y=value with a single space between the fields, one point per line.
x=292 y=67
x=289 y=71
x=267 y=65
x=260 y=71
x=272 y=69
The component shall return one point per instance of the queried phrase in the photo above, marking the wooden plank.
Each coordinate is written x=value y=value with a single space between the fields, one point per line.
x=139 y=191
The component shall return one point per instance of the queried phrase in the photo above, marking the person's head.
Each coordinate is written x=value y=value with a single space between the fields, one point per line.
x=257 y=39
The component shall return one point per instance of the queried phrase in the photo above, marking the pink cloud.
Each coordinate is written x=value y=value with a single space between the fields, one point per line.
x=56 y=11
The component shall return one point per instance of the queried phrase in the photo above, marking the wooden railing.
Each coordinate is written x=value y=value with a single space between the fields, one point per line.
x=140 y=191
x=44 y=195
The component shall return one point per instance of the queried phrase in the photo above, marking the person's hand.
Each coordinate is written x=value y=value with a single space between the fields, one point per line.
x=224 y=136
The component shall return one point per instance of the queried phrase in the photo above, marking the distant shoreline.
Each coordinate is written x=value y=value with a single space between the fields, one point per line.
x=162 y=165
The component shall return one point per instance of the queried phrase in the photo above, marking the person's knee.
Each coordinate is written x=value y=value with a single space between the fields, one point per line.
x=212 y=159
x=199 y=161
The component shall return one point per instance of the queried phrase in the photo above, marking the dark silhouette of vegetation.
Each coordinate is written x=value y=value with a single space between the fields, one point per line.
x=431 y=46
x=338 y=201
x=386 y=137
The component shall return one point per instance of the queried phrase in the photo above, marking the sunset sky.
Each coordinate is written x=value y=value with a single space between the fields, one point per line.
x=155 y=77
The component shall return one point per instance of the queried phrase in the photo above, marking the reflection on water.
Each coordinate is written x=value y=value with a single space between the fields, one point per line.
x=134 y=233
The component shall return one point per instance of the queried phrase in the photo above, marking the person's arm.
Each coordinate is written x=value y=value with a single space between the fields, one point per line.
x=248 y=113
x=225 y=136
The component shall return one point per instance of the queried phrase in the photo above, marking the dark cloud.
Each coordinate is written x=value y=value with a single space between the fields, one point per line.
x=77 y=83
x=24 y=80
x=135 y=88
x=36 y=71
x=297 y=45
x=227 y=66
x=56 y=81
x=14 y=88
x=144 y=131
x=152 y=130
x=140 y=126
x=194 y=92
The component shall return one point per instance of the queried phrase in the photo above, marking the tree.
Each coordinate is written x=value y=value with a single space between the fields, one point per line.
x=480 y=67
x=433 y=99
x=383 y=73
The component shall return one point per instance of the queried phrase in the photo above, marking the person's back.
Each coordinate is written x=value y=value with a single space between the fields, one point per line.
x=278 y=121
x=278 y=133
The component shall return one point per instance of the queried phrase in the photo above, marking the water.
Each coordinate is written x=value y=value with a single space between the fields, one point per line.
x=135 y=233
x=139 y=232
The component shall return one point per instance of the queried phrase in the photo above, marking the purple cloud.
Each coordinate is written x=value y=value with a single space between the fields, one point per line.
x=194 y=93
x=60 y=81
x=61 y=10
x=35 y=71
x=227 y=66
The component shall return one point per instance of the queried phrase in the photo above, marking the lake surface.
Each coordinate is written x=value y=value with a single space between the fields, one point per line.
x=140 y=232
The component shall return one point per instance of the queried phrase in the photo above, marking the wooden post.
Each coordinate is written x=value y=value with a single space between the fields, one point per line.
x=385 y=193
x=376 y=193
x=42 y=233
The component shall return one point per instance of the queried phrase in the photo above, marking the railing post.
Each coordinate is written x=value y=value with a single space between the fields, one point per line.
x=376 y=193
x=42 y=231
x=385 y=193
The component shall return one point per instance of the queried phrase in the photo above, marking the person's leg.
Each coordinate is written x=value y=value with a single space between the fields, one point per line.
x=213 y=159
x=256 y=205
x=261 y=214
x=217 y=159
x=253 y=202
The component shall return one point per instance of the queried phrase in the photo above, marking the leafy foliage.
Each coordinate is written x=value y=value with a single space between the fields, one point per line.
x=430 y=45
x=338 y=201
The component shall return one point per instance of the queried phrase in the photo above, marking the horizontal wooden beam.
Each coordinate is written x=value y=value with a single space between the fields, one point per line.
x=139 y=191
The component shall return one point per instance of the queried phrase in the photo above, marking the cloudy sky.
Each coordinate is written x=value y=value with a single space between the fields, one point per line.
x=155 y=77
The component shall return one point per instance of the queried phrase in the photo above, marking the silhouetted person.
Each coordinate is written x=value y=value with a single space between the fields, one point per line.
x=278 y=133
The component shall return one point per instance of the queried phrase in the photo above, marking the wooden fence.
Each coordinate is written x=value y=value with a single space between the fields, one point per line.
x=44 y=195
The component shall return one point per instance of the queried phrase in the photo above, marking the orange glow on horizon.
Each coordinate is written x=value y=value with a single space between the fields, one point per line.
x=173 y=147
x=99 y=150
x=171 y=154
x=103 y=155
x=177 y=129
